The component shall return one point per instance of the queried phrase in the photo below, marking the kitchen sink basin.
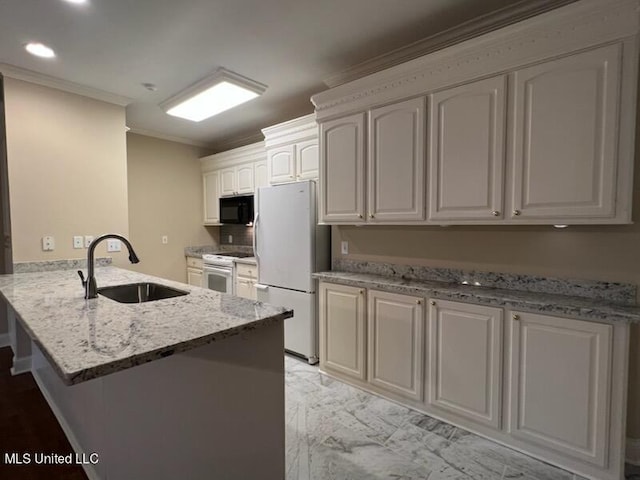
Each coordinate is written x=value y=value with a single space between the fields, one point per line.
x=140 y=292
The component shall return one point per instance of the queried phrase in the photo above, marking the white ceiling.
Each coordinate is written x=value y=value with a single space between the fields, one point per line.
x=289 y=45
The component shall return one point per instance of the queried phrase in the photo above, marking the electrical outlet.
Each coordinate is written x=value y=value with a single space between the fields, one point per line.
x=48 y=243
x=165 y=239
x=230 y=239
x=113 y=245
x=344 y=247
x=87 y=240
x=78 y=241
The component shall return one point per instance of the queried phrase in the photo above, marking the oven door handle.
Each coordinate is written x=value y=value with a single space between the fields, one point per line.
x=223 y=271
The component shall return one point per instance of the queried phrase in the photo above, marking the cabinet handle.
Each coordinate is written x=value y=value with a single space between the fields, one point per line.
x=515 y=317
x=516 y=212
x=432 y=302
x=495 y=213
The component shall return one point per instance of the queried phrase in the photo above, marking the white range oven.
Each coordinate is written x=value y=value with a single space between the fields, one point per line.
x=217 y=271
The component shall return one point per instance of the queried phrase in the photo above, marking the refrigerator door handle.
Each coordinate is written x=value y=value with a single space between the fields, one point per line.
x=261 y=287
x=255 y=240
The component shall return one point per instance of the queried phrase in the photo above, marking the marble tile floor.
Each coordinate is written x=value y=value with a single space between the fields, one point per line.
x=338 y=432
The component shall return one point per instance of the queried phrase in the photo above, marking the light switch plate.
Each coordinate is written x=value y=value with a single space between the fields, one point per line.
x=87 y=240
x=165 y=239
x=344 y=247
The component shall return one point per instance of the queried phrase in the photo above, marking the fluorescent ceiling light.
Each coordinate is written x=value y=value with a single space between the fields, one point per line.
x=76 y=1
x=212 y=95
x=39 y=50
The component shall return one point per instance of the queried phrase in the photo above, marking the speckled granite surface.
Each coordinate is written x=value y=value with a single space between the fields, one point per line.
x=611 y=292
x=546 y=303
x=197 y=252
x=85 y=339
x=50 y=265
x=247 y=260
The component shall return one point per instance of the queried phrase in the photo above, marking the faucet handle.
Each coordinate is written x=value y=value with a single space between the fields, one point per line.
x=84 y=282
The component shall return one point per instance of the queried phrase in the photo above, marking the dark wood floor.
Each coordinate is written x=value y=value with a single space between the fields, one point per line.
x=27 y=425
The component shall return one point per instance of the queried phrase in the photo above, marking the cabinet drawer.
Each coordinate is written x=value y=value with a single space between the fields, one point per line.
x=194 y=262
x=246 y=270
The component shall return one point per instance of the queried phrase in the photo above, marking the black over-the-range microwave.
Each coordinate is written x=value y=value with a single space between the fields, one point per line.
x=238 y=209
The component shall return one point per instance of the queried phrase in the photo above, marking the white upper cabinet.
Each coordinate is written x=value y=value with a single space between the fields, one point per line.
x=228 y=181
x=565 y=120
x=292 y=150
x=307 y=159
x=466 y=151
x=281 y=164
x=396 y=162
x=528 y=124
x=211 y=188
x=260 y=174
x=244 y=178
x=342 y=174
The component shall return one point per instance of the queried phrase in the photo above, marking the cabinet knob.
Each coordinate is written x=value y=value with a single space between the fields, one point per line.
x=360 y=215
x=290 y=176
x=361 y=292
x=515 y=317
x=495 y=213
x=371 y=215
x=516 y=212
x=419 y=302
x=432 y=302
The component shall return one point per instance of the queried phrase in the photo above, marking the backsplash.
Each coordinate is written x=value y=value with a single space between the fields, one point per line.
x=241 y=235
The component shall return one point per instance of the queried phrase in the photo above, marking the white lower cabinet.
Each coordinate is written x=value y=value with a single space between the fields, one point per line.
x=549 y=386
x=246 y=277
x=342 y=330
x=194 y=271
x=465 y=360
x=560 y=384
x=396 y=343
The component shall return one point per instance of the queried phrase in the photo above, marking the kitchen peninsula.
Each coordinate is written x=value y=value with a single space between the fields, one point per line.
x=162 y=389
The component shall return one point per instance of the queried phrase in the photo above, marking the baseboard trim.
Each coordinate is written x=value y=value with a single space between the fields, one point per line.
x=88 y=469
x=5 y=340
x=21 y=365
x=633 y=451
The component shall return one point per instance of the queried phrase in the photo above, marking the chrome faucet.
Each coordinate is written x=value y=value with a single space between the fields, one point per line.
x=90 y=286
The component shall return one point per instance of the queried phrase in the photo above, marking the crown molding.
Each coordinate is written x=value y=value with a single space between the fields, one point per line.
x=470 y=29
x=574 y=27
x=294 y=130
x=18 y=73
x=238 y=142
x=170 y=138
x=252 y=153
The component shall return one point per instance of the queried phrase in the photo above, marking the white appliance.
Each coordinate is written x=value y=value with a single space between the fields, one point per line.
x=289 y=246
x=217 y=270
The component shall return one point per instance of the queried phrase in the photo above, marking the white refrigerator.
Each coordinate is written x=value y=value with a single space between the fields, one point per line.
x=289 y=246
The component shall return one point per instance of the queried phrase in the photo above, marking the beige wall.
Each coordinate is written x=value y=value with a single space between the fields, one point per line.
x=165 y=198
x=67 y=170
x=599 y=252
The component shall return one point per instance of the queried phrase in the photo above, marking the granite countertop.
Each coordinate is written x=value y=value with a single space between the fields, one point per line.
x=247 y=260
x=197 y=252
x=546 y=303
x=85 y=339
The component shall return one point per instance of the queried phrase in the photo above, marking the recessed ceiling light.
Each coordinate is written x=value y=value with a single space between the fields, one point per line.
x=39 y=50
x=212 y=95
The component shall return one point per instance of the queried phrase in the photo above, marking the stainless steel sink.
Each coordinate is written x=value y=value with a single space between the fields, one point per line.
x=140 y=292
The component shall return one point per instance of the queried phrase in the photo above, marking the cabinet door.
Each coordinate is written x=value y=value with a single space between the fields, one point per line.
x=466 y=151
x=396 y=161
x=228 y=181
x=281 y=164
x=465 y=360
x=260 y=174
x=194 y=277
x=245 y=288
x=342 y=330
x=342 y=170
x=244 y=178
x=565 y=123
x=560 y=383
x=395 y=348
x=307 y=158
x=211 y=190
